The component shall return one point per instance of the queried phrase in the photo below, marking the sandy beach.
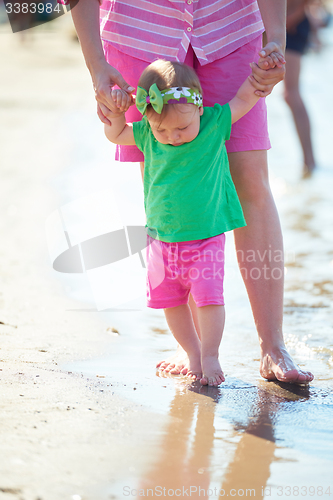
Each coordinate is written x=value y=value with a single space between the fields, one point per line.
x=62 y=434
x=83 y=414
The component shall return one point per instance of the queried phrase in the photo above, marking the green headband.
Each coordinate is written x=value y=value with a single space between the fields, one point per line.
x=157 y=98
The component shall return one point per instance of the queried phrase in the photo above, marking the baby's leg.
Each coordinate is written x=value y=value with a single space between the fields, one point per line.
x=178 y=363
x=180 y=322
x=211 y=322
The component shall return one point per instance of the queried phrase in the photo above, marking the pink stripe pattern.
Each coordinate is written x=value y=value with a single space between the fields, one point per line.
x=148 y=30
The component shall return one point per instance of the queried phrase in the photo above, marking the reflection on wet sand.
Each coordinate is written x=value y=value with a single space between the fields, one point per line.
x=250 y=467
x=184 y=453
x=191 y=459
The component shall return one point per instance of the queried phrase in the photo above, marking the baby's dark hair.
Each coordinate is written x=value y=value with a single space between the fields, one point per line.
x=168 y=74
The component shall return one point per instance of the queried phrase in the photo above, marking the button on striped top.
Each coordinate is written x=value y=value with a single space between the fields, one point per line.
x=148 y=29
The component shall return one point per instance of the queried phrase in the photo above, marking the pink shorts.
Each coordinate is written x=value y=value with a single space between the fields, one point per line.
x=220 y=81
x=177 y=269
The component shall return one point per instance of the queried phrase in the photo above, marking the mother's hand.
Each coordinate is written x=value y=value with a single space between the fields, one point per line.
x=104 y=78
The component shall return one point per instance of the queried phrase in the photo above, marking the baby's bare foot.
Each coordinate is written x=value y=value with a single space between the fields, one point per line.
x=194 y=369
x=176 y=364
x=212 y=373
x=277 y=364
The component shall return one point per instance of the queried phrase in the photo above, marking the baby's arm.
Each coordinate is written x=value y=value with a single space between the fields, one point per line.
x=119 y=132
x=243 y=101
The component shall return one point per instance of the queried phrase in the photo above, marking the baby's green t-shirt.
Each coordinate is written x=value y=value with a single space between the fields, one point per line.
x=188 y=190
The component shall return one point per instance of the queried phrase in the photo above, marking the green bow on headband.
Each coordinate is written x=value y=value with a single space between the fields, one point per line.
x=157 y=97
x=154 y=97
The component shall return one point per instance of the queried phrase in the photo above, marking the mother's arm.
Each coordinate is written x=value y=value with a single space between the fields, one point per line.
x=86 y=20
x=273 y=13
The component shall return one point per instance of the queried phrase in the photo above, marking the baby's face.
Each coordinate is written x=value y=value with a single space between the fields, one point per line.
x=180 y=125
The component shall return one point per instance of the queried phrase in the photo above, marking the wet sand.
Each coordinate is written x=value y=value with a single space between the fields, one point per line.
x=85 y=416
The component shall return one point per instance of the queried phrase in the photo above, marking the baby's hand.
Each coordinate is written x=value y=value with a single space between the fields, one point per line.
x=269 y=70
x=274 y=59
x=271 y=56
x=123 y=100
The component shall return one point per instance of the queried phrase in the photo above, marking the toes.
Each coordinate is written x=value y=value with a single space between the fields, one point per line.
x=162 y=365
x=212 y=381
x=179 y=369
x=172 y=368
x=175 y=371
x=305 y=377
x=295 y=377
x=169 y=367
x=194 y=375
x=166 y=366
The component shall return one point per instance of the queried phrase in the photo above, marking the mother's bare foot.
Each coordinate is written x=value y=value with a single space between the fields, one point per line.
x=277 y=364
x=177 y=364
x=212 y=373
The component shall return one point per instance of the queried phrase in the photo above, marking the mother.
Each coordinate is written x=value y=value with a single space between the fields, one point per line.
x=219 y=39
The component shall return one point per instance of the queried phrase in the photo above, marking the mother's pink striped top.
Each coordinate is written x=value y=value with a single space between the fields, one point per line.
x=148 y=29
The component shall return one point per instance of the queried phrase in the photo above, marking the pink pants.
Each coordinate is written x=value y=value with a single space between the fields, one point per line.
x=177 y=269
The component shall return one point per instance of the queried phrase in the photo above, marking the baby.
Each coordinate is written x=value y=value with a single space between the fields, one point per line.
x=190 y=201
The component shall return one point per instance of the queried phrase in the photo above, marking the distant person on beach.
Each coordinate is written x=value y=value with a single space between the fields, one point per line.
x=301 y=23
x=190 y=201
x=219 y=40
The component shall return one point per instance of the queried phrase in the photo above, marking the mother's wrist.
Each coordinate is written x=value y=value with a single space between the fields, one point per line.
x=280 y=42
x=96 y=65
